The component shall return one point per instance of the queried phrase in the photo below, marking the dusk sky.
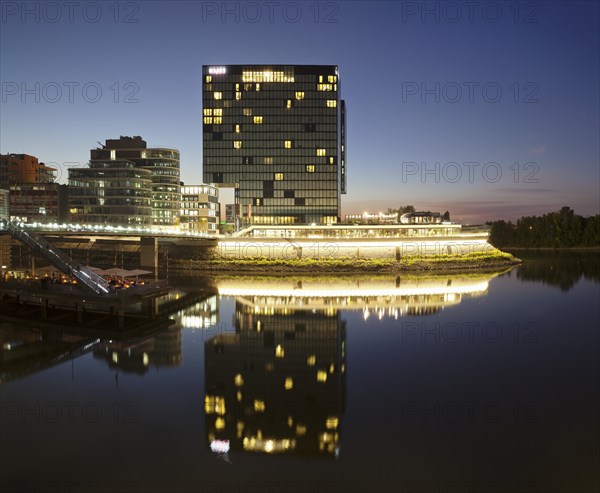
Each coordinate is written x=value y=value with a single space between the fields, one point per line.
x=533 y=73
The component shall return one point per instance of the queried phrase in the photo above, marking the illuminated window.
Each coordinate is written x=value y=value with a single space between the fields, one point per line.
x=321 y=376
x=239 y=380
x=321 y=152
x=258 y=87
x=320 y=79
x=218 y=120
x=279 y=351
x=331 y=160
x=247 y=111
x=324 y=87
x=208 y=78
x=332 y=79
x=311 y=360
x=237 y=129
x=238 y=95
x=218 y=112
x=218 y=95
x=278 y=177
x=310 y=168
x=208 y=120
x=289 y=383
x=237 y=144
x=288 y=104
x=287 y=144
x=208 y=111
x=259 y=406
x=257 y=201
x=258 y=120
x=268 y=160
x=300 y=95
x=332 y=103
x=237 y=87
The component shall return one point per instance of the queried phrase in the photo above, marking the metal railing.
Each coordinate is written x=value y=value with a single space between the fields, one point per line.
x=56 y=257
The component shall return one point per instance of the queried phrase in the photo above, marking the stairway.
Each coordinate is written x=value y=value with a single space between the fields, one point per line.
x=86 y=278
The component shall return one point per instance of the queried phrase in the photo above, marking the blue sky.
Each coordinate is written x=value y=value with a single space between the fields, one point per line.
x=523 y=140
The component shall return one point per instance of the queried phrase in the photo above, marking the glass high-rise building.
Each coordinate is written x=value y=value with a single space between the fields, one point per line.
x=276 y=134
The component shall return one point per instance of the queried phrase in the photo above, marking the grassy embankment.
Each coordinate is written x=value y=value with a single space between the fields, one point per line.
x=491 y=260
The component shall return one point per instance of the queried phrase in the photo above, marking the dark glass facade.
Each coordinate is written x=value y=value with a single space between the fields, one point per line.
x=115 y=193
x=274 y=133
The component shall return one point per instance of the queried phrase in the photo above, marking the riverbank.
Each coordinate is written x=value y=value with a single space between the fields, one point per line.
x=474 y=261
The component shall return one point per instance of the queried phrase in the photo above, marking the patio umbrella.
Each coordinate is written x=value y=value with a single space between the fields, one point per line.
x=48 y=268
x=138 y=272
x=114 y=272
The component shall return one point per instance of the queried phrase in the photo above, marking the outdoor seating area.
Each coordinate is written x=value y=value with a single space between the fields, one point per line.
x=117 y=279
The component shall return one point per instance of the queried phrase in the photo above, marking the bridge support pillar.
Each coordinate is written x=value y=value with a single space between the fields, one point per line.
x=79 y=310
x=121 y=317
x=149 y=253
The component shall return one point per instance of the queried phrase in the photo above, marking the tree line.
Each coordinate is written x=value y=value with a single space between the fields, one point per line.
x=561 y=229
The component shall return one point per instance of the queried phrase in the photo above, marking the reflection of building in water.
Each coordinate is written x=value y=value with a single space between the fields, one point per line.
x=200 y=315
x=386 y=296
x=26 y=350
x=277 y=384
x=137 y=356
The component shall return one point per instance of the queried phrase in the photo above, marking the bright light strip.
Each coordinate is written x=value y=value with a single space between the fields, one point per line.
x=349 y=292
x=217 y=70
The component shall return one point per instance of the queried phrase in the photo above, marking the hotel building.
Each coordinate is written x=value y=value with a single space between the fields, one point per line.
x=276 y=133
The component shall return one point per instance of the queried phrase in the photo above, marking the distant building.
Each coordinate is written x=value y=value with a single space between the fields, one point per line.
x=367 y=218
x=39 y=202
x=23 y=168
x=199 y=209
x=276 y=134
x=115 y=193
x=421 y=218
x=4 y=204
x=163 y=163
x=230 y=213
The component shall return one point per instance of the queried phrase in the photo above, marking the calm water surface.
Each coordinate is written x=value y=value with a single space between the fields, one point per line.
x=461 y=383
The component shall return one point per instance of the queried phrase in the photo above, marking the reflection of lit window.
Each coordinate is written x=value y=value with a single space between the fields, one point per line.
x=258 y=120
x=218 y=95
x=239 y=380
x=331 y=368
x=289 y=383
x=279 y=351
x=310 y=168
x=300 y=430
x=311 y=360
x=278 y=176
x=239 y=396
x=287 y=144
x=331 y=103
x=321 y=376
x=300 y=95
x=332 y=422
x=259 y=406
x=321 y=152
x=237 y=144
x=220 y=423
